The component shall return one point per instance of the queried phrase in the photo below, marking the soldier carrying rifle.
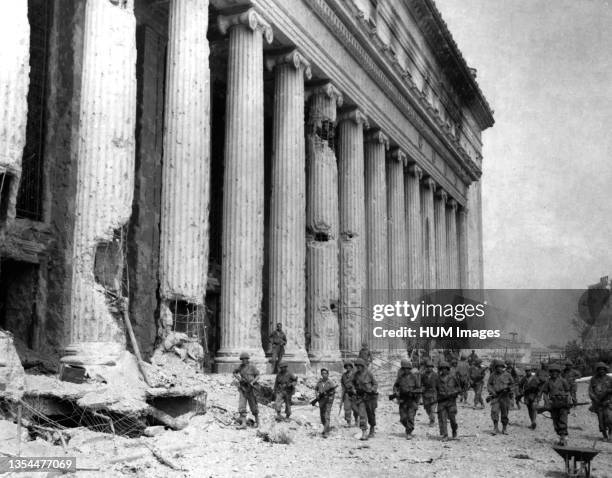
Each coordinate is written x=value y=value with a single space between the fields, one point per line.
x=500 y=386
x=247 y=376
x=407 y=390
x=557 y=399
x=326 y=389
x=600 y=392
x=284 y=388
x=447 y=390
x=366 y=398
x=348 y=392
x=429 y=379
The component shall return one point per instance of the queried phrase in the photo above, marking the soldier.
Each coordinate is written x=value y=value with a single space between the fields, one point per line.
x=284 y=388
x=247 y=375
x=571 y=374
x=542 y=373
x=278 y=340
x=365 y=354
x=429 y=380
x=447 y=390
x=511 y=369
x=366 y=398
x=499 y=387
x=476 y=377
x=600 y=392
x=557 y=399
x=463 y=374
x=472 y=358
x=529 y=388
x=408 y=390
x=348 y=392
x=326 y=390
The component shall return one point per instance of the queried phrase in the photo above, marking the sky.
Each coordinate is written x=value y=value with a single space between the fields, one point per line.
x=545 y=67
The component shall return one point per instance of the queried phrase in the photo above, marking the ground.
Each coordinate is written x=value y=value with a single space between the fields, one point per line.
x=210 y=447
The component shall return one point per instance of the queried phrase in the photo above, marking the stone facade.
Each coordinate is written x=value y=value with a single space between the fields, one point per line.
x=266 y=165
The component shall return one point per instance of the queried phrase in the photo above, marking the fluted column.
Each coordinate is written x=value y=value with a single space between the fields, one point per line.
x=376 y=210
x=429 y=236
x=462 y=246
x=451 y=241
x=398 y=260
x=414 y=226
x=352 y=227
x=105 y=181
x=287 y=281
x=243 y=190
x=186 y=161
x=323 y=293
x=440 y=239
x=14 y=82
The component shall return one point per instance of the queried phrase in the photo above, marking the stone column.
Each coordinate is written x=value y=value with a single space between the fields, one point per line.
x=105 y=182
x=287 y=280
x=352 y=227
x=440 y=239
x=186 y=161
x=462 y=225
x=451 y=241
x=414 y=226
x=429 y=236
x=398 y=245
x=14 y=83
x=243 y=191
x=323 y=294
x=376 y=210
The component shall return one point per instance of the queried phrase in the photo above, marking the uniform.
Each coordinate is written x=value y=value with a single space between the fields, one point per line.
x=600 y=393
x=463 y=373
x=500 y=387
x=570 y=374
x=429 y=380
x=366 y=398
x=327 y=388
x=408 y=388
x=365 y=354
x=476 y=376
x=529 y=388
x=447 y=389
x=558 y=399
x=348 y=391
x=284 y=387
x=278 y=340
x=247 y=373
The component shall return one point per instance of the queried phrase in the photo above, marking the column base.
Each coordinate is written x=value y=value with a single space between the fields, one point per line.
x=227 y=361
x=92 y=353
x=297 y=360
x=329 y=360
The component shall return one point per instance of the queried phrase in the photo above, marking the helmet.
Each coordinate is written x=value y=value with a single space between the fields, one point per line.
x=498 y=363
x=429 y=363
x=442 y=365
x=554 y=366
x=599 y=365
x=568 y=363
x=348 y=363
x=405 y=363
x=359 y=361
x=244 y=355
x=283 y=365
x=324 y=369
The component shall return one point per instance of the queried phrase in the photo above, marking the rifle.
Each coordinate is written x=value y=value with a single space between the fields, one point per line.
x=321 y=396
x=546 y=408
x=448 y=397
x=245 y=385
x=504 y=391
x=407 y=395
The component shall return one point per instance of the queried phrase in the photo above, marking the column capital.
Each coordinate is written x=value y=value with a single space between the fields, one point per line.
x=452 y=204
x=462 y=210
x=429 y=183
x=415 y=170
x=399 y=155
x=377 y=136
x=326 y=89
x=442 y=194
x=355 y=115
x=293 y=57
x=250 y=19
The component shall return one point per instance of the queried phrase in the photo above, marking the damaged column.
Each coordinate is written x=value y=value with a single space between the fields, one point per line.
x=105 y=183
x=322 y=227
x=462 y=247
x=451 y=242
x=351 y=189
x=429 y=236
x=186 y=164
x=398 y=272
x=14 y=82
x=287 y=282
x=440 y=235
x=414 y=226
x=243 y=191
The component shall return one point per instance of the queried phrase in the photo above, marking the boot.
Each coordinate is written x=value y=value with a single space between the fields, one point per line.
x=348 y=423
x=504 y=431
x=605 y=435
x=242 y=424
x=288 y=417
x=408 y=435
x=562 y=441
x=279 y=417
x=495 y=428
x=364 y=435
x=372 y=432
x=432 y=421
x=325 y=431
x=455 y=433
x=533 y=425
x=256 y=421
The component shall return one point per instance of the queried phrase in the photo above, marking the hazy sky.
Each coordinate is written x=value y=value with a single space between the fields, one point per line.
x=546 y=68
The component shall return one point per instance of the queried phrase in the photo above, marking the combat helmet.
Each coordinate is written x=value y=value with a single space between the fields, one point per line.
x=359 y=361
x=599 y=365
x=347 y=363
x=442 y=365
x=244 y=355
x=283 y=364
x=554 y=366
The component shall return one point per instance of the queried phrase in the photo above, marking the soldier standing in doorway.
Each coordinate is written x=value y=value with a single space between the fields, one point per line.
x=278 y=340
x=247 y=376
x=366 y=398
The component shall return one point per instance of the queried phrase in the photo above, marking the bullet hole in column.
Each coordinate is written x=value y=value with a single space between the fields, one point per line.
x=321 y=237
x=6 y=180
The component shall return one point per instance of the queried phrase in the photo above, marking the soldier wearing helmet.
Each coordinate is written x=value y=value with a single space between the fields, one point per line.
x=429 y=380
x=500 y=386
x=366 y=398
x=529 y=388
x=557 y=398
x=407 y=389
x=476 y=376
x=284 y=388
x=600 y=393
x=247 y=376
x=447 y=390
x=570 y=374
x=326 y=391
x=348 y=391
x=365 y=354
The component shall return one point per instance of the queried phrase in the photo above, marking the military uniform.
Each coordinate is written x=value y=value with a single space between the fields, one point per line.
x=529 y=387
x=429 y=381
x=327 y=389
x=348 y=391
x=447 y=390
x=366 y=397
x=278 y=340
x=600 y=392
x=284 y=388
x=463 y=373
x=558 y=399
x=570 y=374
x=408 y=388
x=476 y=376
x=365 y=354
x=500 y=387
x=247 y=374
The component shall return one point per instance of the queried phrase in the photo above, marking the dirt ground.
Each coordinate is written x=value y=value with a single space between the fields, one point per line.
x=210 y=447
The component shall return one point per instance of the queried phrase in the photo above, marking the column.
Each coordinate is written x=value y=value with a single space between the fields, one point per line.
x=414 y=226
x=322 y=270
x=429 y=236
x=243 y=191
x=462 y=223
x=287 y=280
x=398 y=270
x=105 y=183
x=14 y=83
x=186 y=162
x=474 y=227
x=352 y=228
x=451 y=241
x=440 y=239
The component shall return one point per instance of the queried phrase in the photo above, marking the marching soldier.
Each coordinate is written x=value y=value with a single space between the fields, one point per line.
x=571 y=374
x=477 y=375
x=407 y=390
x=348 y=391
x=447 y=390
x=326 y=390
x=529 y=388
x=511 y=369
x=247 y=376
x=365 y=354
x=600 y=392
x=499 y=387
x=284 y=388
x=366 y=398
x=278 y=340
x=463 y=373
x=557 y=399
x=429 y=380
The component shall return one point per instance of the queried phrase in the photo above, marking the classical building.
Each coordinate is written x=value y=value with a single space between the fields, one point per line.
x=218 y=167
